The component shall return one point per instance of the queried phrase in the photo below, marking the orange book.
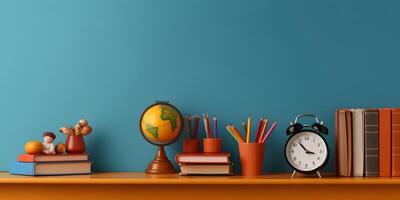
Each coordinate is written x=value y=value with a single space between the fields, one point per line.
x=53 y=158
x=385 y=142
x=396 y=142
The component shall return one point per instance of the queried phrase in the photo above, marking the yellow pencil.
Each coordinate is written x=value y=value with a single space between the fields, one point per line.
x=248 y=129
x=264 y=128
x=234 y=129
x=228 y=128
x=244 y=127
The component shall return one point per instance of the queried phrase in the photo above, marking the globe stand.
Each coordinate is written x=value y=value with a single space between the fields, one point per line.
x=160 y=164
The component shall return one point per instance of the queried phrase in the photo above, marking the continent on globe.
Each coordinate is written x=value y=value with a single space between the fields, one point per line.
x=168 y=114
x=153 y=130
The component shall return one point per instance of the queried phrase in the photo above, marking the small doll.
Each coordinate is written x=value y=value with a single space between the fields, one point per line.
x=48 y=146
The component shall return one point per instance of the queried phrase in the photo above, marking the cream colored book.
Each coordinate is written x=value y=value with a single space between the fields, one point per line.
x=358 y=142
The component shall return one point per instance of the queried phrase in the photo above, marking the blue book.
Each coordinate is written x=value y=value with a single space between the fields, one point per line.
x=54 y=168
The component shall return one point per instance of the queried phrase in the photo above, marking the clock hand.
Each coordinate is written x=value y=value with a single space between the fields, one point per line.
x=307 y=151
x=303 y=147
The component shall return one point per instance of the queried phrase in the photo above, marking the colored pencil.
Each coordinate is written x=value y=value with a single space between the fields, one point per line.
x=244 y=127
x=269 y=132
x=229 y=129
x=260 y=123
x=265 y=125
x=215 y=127
x=208 y=126
x=196 y=125
x=248 y=129
x=205 y=125
x=234 y=129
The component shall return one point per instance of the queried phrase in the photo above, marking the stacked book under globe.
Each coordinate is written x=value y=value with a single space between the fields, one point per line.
x=204 y=163
x=65 y=164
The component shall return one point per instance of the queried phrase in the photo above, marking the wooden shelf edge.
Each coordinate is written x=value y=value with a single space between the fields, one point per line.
x=138 y=178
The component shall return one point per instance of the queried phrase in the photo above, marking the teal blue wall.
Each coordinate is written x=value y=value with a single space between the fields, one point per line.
x=107 y=60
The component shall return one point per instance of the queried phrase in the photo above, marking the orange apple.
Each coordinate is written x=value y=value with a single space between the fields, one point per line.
x=33 y=147
x=60 y=148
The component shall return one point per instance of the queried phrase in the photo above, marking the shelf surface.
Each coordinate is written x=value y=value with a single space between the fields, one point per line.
x=140 y=178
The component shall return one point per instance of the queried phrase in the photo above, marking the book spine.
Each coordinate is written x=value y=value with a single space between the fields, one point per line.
x=358 y=142
x=396 y=142
x=341 y=143
x=371 y=142
x=349 y=134
x=26 y=158
x=385 y=142
x=20 y=168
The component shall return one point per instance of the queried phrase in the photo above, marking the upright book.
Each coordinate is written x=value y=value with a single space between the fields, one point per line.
x=349 y=134
x=396 y=142
x=343 y=156
x=371 y=142
x=358 y=142
x=54 y=168
x=385 y=142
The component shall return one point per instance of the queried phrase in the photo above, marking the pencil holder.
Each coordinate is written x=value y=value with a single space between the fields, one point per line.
x=251 y=158
x=191 y=146
x=212 y=145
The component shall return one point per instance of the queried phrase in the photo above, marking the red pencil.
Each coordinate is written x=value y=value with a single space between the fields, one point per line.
x=269 y=132
x=258 y=130
x=265 y=125
x=196 y=125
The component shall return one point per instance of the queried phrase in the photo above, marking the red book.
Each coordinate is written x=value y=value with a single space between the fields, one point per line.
x=53 y=158
x=396 y=142
x=385 y=142
x=203 y=158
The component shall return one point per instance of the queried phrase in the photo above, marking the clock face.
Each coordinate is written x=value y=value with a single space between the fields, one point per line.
x=306 y=151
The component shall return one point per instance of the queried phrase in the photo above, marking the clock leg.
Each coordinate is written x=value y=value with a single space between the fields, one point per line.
x=293 y=174
x=319 y=174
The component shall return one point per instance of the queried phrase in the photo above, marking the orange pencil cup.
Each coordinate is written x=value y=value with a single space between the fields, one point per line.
x=212 y=145
x=191 y=146
x=251 y=158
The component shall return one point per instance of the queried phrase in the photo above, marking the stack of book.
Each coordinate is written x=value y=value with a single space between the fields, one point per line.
x=204 y=164
x=368 y=142
x=65 y=164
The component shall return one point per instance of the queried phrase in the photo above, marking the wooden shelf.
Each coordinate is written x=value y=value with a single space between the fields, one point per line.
x=174 y=179
x=128 y=185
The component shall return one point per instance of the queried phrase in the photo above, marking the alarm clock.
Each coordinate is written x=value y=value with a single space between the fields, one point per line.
x=306 y=150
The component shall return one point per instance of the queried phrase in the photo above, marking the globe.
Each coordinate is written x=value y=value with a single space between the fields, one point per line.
x=161 y=123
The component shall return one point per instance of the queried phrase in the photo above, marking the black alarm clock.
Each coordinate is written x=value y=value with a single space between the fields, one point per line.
x=306 y=150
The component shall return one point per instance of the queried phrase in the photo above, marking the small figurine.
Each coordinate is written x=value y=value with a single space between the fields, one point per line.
x=48 y=146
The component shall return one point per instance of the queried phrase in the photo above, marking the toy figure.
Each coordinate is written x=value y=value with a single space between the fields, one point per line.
x=48 y=146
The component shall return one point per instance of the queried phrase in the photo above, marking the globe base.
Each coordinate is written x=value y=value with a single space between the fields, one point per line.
x=160 y=164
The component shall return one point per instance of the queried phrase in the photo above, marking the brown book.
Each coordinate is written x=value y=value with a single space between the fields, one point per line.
x=371 y=142
x=52 y=158
x=341 y=138
x=385 y=142
x=203 y=158
x=349 y=135
x=396 y=142
x=190 y=169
